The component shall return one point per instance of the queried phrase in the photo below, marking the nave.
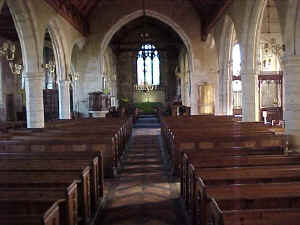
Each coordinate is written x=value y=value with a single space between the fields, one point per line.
x=144 y=192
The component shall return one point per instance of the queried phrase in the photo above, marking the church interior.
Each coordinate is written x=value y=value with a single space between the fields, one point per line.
x=153 y=112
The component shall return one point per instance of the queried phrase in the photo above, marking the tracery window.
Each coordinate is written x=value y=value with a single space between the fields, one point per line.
x=148 y=65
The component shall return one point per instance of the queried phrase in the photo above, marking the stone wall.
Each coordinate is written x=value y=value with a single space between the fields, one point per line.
x=186 y=22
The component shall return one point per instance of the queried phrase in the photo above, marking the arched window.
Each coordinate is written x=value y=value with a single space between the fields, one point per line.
x=148 y=65
x=236 y=77
x=236 y=60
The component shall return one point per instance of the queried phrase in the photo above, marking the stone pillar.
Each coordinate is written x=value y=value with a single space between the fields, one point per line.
x=64 y=99
x=225 y=90
x=291 y=112
x=250 y=96
x=34 y=99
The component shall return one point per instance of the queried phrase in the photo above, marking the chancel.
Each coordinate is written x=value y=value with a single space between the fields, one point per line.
x=149 y=112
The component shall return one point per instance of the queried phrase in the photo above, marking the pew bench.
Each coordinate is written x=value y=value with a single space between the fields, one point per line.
x=198 y=162
x=204 y=178
x=250 y=203
x=65 y=159
x=68 y=212
x=28 y=144
x=57 y=165
x=19 y=212
x=229 y=145
x=53 y=180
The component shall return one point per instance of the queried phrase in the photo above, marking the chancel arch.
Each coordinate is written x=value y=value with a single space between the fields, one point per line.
x=147 y=54
x=152 y=14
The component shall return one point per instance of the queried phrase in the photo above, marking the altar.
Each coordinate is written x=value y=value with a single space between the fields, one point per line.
x=144 y=94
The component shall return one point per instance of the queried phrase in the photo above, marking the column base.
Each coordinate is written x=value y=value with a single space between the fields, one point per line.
x=98 y=114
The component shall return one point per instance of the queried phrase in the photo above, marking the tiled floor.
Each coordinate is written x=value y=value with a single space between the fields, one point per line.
x=143 y=193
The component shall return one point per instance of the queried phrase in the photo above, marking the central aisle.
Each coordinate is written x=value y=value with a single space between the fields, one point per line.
x=143 y=193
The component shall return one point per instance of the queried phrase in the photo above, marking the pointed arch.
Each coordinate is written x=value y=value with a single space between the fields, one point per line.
x=139 y=13
x=225 y=80
x=62 y=67
x=27 y=31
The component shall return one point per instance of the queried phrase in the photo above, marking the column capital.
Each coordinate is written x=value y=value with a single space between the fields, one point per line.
x=34 y=75
x=64 y=82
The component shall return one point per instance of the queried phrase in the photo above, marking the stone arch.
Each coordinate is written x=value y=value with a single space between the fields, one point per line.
x=25 y=23
x=139 y=13
x=62 y=66
x=250 y=46
x=226 y=42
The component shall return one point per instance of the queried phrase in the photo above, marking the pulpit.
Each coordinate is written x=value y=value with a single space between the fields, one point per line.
x=99 y=104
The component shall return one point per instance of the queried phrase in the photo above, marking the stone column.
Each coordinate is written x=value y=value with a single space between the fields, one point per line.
x=225 y=90
x=250 y=96
x=34 y=99
x=64 y=99
x=291 y=101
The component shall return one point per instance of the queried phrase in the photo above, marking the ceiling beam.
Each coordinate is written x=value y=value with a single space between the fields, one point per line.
x=206 y=28
x=71 y=13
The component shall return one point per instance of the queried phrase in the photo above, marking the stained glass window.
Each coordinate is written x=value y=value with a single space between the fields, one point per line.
x=148 y=65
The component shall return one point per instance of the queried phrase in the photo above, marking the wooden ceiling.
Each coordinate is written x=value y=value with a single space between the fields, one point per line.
x=210 y=11
x=77 y=13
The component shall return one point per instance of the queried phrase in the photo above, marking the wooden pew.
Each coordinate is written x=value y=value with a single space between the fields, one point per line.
x=53 y=180
x=19 y=212
x=86 y=135
x=228 y=145
x=57 y=165
x=204 y=178
x=198 y=162
x=65 y=144
x=95 y=159
x=69 y=210
x=252 y=204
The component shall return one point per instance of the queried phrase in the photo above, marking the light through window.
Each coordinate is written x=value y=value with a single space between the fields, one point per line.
x=148 y=65
x=236 y=60
x=236 y=78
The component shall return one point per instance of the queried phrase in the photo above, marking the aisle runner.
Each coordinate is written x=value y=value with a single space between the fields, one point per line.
x=142 y=194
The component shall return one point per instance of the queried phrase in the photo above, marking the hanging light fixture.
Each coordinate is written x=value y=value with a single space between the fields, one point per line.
x=8 y=51
x=15 y=68
x=49 y=67
x=74 y=76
